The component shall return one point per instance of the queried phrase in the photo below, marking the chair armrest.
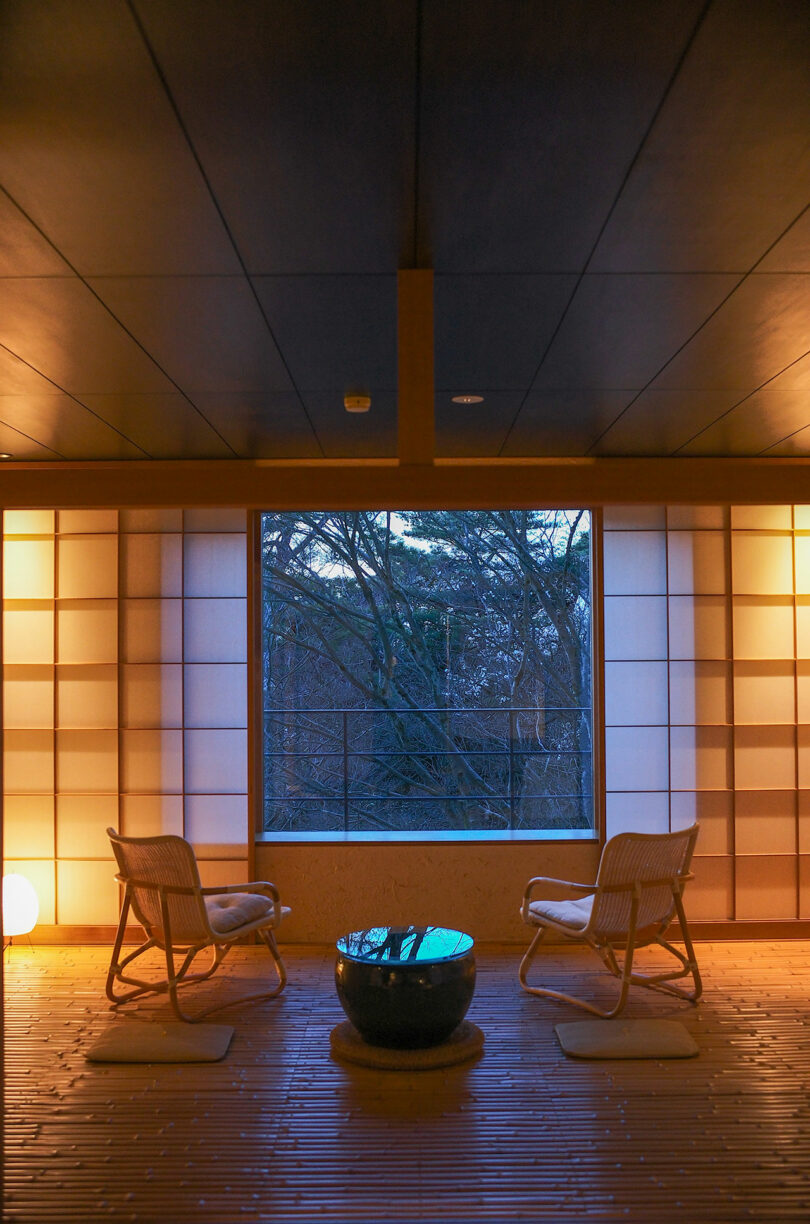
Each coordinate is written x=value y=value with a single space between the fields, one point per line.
x=568 y=885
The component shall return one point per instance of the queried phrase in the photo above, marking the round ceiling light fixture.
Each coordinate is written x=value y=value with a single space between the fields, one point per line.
x=467 y=399
x=5 y=455
x=357 y=403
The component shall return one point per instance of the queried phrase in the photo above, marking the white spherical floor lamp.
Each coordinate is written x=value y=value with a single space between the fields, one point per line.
x=20 y=907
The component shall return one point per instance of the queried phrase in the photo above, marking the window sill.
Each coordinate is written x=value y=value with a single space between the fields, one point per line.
x=516 y=835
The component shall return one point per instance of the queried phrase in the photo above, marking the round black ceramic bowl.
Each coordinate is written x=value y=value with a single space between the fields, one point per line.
x=405 y=987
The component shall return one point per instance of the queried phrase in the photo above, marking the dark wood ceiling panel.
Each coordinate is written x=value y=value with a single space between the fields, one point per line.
x=795 y=446
x=59 y=327
x=761 y=420
x=206 y=332
x=266 y=425
x=494 y=140
x=474 y=430
x=659 y=421
x=620 y=330
x=762 y=328
x=665 y=421
x=563 y=422
x=531 y=116
x=366 y=435
x=17 y=378
x=795 y=377
x=303 y=115
x=491 y=331
x=62 y=425
x=725 y=169
x=23 y=250
x=791 y=253
x=21 y=447
x=165 y=426
x=765 y=419
x=336 y=332
x=91 y=148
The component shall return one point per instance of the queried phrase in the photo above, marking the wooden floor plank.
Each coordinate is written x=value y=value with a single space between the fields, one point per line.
x=280 y=1131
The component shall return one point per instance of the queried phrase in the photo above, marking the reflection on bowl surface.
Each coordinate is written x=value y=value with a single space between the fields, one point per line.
x=405 y=944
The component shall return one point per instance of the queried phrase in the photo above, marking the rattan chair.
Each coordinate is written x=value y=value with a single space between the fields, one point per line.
x=637 y=893
x=162 y=888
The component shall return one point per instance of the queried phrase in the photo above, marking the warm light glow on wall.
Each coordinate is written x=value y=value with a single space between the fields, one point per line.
x=20 y=905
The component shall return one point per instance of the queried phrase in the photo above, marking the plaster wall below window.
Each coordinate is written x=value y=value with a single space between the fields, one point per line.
x=477 y=887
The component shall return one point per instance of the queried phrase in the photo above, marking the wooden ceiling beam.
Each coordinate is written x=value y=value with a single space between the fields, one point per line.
x=416 y=386
x=384 y=484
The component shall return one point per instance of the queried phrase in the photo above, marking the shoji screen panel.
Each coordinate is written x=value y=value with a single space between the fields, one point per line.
x=183 y=682
x=801 y=540
x=60 y=664
x=701 y=699
x=214 y=695
x=86 y=714
x=637 y=756
x=730 y=660
x=151 y=672
x=29 y=624
x=764 y=593
x=125 y=679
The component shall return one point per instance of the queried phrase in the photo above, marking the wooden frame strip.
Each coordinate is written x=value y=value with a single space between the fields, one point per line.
x=415 y=402
x=387 y=485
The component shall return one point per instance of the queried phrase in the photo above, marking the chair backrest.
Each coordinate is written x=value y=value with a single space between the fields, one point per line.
x=155 y=861
x=630 y=858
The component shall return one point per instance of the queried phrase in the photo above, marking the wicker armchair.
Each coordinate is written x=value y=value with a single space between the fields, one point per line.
x=162 y=888
x=637 y=893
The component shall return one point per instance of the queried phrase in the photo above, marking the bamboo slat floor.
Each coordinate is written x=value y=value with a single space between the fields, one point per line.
x=278 y=1131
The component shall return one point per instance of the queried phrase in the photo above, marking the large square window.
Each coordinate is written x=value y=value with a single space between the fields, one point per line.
x=426 y=673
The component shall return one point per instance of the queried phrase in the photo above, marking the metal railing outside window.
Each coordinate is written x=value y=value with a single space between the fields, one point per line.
x=331 y=762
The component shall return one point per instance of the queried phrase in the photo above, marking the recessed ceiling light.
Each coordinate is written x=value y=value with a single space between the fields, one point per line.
x=5 y=455
x=357 y=403
x=468 y=399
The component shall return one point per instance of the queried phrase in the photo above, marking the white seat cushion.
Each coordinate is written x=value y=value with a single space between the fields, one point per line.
x=573 y=914
x=227 y=911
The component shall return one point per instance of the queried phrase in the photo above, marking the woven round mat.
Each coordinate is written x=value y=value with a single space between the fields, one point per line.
x=464 y=1042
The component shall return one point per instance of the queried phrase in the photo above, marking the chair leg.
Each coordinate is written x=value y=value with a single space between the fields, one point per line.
x=545 y=992
x=115 y=973
x=175 y=980
x=626 y=979
x=691 y=959
x=268 y=939
x=608 y=957
x=664 y=981
x=528 y=957
x=626 y=976
x=115 y=969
